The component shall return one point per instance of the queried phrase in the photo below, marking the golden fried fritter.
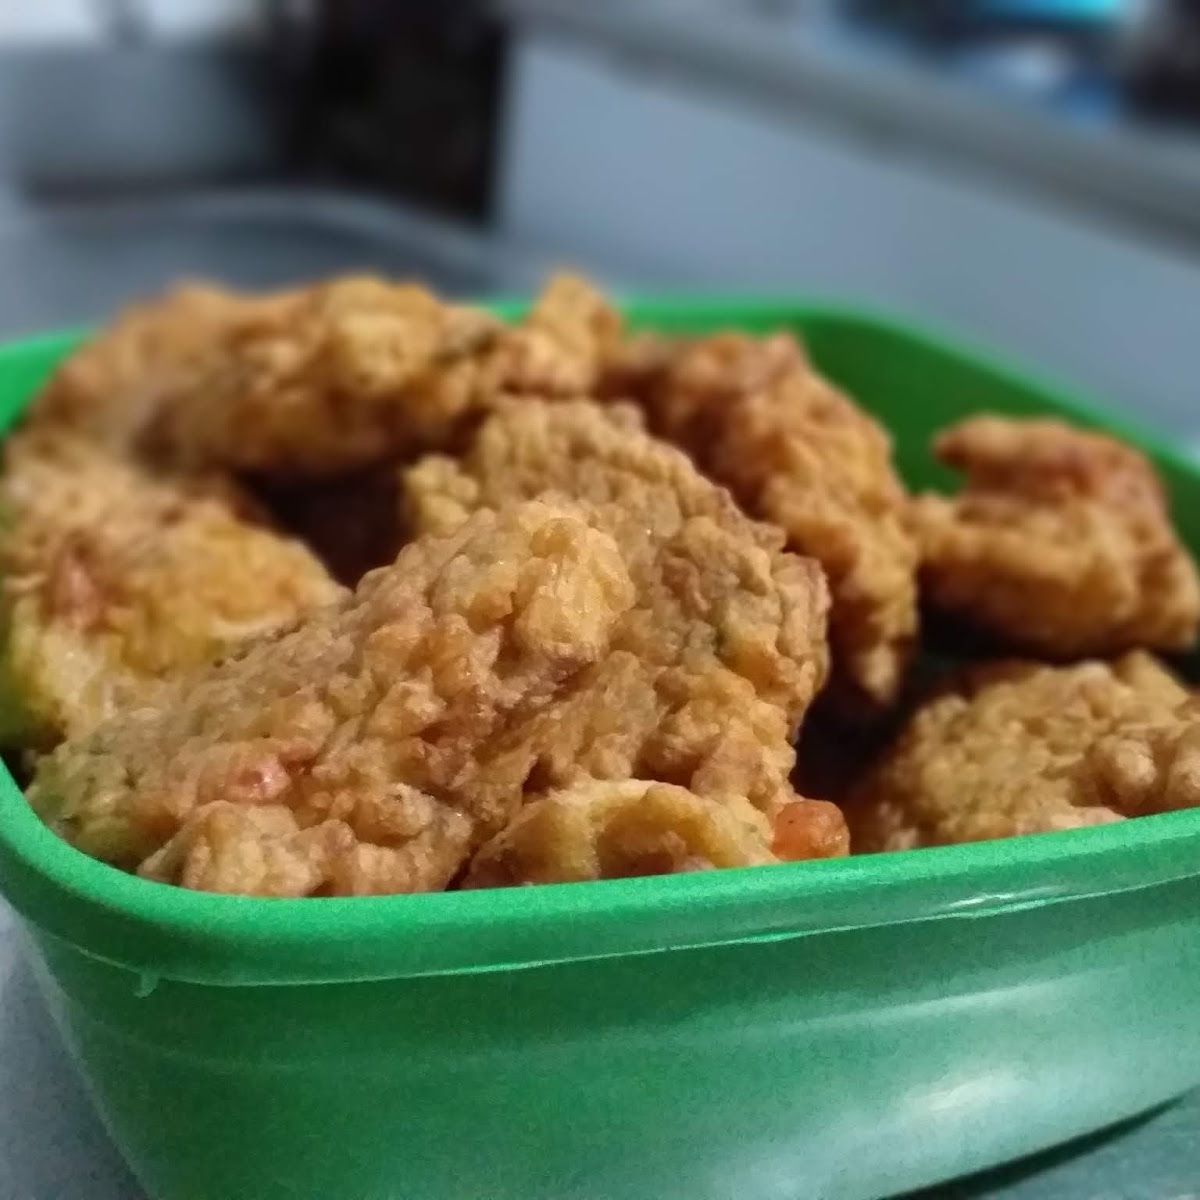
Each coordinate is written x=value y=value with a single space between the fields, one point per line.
x=634 y=365
x=1060 y=543
x=795 y=451
x=1024 y=748
x=353 y=522
x=613 y=830
x=372 y=748
x=318 y=381
x=712 y=669
x=113 y=580
x=617 y=829
x=255 y=849
x=560 y=347
x=112 y=386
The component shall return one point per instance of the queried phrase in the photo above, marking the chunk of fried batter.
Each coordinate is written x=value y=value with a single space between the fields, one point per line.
x=113 y=580
x=616 y=830
x=112 y=386
x=312 y=381
x=318 y=381
x=613 y=830
x=714 y=666
x=372 y=748
x=795 y=451
x=560 y=347
x=1059 y=544
x=1023 y=748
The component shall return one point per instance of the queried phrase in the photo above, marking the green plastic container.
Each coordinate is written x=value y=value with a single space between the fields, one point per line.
x=839 y=1029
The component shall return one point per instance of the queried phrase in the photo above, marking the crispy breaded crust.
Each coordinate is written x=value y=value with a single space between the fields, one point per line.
x=317 y=381
x=712 y=669
x=1059 y=543
x=1018 y=748
x=795 y=451
x=613 y=829
x=114 y=580
x=370 y=749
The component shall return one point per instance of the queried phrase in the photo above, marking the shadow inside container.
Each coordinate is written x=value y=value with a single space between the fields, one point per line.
x=51 y=1141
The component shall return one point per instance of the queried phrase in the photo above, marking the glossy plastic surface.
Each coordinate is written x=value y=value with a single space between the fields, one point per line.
x=835 y=1029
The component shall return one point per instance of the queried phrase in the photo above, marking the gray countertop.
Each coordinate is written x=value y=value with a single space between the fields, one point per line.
x=61 y=267
x=69 y=263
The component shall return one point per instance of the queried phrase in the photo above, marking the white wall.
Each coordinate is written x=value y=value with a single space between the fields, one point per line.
x=609 y=164
x=57 y=22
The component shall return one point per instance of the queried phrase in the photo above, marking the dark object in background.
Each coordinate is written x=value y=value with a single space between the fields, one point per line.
x=1164 y=60
x=399 y=95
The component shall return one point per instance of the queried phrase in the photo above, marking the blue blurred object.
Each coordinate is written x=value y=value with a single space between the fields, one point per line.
x=956 y=19
x=1104 y=11
x=1059 y=55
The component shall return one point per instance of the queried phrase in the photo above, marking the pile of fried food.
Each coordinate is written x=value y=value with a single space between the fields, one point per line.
x=349 y=590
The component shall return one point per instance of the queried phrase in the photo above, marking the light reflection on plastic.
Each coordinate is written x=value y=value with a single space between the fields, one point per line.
x=1013 y=901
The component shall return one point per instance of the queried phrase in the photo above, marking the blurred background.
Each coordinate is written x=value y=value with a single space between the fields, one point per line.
x=1024 y=173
